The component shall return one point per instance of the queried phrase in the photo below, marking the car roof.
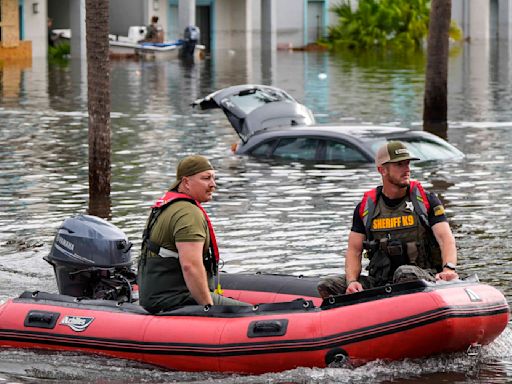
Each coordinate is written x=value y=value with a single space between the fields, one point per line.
x=360 y=131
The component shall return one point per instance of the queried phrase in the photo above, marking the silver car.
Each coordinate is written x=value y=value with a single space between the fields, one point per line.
x=272 y=124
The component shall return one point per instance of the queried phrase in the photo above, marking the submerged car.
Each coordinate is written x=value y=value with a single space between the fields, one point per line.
x=272 y=124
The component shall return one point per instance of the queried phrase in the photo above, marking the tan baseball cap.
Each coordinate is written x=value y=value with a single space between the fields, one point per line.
x=189 y=166
x=393 y=152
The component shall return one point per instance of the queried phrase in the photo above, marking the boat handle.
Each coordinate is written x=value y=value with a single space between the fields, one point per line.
x=265 y=328
x=41 y=319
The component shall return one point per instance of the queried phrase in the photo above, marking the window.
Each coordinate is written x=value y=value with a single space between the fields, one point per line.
x=337 y=151
x=296 y=148
x=429 y=150
x=425 y=149
x=252 y=99
x=263 y=150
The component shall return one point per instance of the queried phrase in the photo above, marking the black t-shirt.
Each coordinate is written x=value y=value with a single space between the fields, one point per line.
x=358 y=225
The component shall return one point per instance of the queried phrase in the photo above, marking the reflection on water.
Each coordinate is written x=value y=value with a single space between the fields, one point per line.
x=270 y=216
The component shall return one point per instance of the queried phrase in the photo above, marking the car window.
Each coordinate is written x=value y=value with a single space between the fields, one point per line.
x=429 y=150
x=264 y=148
x=296 y=148
x=424 y=149
x=336 y=151
x=250 y=100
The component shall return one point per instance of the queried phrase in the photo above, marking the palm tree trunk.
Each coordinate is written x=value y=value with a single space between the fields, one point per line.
x=435 y=101
x=98 y=88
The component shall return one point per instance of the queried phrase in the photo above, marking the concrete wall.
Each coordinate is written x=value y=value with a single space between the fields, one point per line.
x=36 y=28
x=125 y=13
x=233 y=24
x=290 y=22
x=479 y=18
x=505 y=20
x=473 y=17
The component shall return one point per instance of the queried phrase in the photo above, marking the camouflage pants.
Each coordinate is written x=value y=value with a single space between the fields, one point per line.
x=223 y=300
x=337 y=285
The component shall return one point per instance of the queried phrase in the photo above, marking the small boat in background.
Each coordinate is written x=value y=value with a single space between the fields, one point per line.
x=133 y=45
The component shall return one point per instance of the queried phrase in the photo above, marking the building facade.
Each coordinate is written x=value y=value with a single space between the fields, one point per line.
x=224 y=24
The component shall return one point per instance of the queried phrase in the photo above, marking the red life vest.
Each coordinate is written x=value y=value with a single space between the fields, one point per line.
x=386 y=256
x=416 y=193
x=172 y=196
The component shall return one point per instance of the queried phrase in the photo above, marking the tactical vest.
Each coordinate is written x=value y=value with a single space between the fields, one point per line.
x=398 y=235
x=210 y=260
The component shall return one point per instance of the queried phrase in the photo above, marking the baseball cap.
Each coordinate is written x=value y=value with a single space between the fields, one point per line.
x=393 y=152
x=189 y=166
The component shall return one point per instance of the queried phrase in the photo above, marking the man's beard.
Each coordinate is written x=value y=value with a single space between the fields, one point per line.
x=397 y=182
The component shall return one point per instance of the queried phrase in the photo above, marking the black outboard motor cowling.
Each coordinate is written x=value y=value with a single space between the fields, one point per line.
x=91 y=259
x=190 y=40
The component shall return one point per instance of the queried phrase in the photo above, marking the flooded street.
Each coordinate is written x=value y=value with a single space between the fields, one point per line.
x=271 y=217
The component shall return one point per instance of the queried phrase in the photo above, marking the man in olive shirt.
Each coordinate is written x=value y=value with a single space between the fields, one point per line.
x=179 y=255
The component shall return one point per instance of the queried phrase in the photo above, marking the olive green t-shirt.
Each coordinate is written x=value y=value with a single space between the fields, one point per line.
x=182 y=221
x=161 y=282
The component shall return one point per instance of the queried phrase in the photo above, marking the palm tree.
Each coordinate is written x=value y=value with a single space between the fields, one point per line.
x=435 y=104
x=98 y=90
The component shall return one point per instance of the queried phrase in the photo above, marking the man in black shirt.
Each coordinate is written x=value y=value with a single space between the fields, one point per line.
x=402 y=229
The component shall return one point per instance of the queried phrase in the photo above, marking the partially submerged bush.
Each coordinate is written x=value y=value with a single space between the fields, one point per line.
x=59 y=51
x=399 y=24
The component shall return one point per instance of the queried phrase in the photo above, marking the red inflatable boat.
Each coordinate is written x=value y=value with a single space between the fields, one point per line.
x=400 y=321
x=289 y=326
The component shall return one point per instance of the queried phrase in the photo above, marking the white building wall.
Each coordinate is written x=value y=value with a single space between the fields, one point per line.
x=186 y=15
x=126 y=13
x=479 y=18
x=473 y=17
x=35 y=27
x=233 y=25
x=290 y=23
x=78 y=29
x=505 y=19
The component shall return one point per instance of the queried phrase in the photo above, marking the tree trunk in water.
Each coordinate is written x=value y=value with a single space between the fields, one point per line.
x=435 y=101
x=98 y=90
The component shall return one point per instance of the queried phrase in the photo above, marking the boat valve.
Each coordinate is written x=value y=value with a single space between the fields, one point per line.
x=336 y=357
x=474 y=349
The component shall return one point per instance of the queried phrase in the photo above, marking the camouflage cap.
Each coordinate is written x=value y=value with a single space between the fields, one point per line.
x=393 y=152
x=189 y=166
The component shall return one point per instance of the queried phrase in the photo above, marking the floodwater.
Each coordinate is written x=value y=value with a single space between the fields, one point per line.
x=271 y=217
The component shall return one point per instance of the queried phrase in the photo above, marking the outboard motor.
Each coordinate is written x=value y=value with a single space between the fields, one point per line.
x=190 y=39
x=91 y=258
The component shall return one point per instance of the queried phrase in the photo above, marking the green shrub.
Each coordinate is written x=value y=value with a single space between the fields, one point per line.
x=60 y=51
x=382 y=23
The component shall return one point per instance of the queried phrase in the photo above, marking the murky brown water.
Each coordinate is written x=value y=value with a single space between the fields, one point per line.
x=272 y=217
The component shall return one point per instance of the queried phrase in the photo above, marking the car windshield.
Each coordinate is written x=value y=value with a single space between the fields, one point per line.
x=425 y=150
x=252 y=99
